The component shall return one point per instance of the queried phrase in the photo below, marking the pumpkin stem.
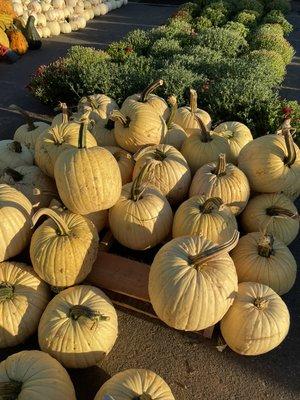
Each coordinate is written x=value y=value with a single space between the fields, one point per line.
x=150 y=89
x=193 y=101
x=172 y=101
x=281 y=212
x=84 y=123
x=209 y=204
x=216 y=250
x=221 y=165
x=10 y=390
x=29 y=120
x=291 y=151
x=15 y=175
x=116 y=115
x=64 y=110
x=159 y=155
x=261 y=303
x=136 y=188
x=6 y=291
x=205 y=134
x=15 y=146
x=143 y=396
x=83 y=311
x=63 y=229
x=265 y=245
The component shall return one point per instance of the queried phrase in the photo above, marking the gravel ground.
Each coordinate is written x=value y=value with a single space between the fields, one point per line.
x=191 y=365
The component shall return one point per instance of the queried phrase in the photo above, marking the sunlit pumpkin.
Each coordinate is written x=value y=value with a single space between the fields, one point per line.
x=175 y=135
x=14 y=154
x=99 y=105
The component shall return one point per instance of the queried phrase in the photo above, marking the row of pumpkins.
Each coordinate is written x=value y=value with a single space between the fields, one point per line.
x=129 y=169
x=53 y=17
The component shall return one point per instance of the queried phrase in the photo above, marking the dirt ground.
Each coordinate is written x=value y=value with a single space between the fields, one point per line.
x=191 y=365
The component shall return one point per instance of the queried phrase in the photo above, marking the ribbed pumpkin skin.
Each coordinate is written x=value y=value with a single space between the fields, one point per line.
x=99 y=219
x=47 y=148
x=100 y=106
x=15 y=223
x=103 y=136
x=125 y=162
x=134 y=382
x=217 y=226
x=88 y=180
x=262 y=160
x=10 y=158
x=42 y=376
x=29 y=138
x=175 y=136
x=35 y=185
x=237 y=134
x=251 y=331
x=30 y=297
x=171 y=175
x=85 y=342
x=233 y=187
x=141 y=224
x=146 y=128
x=64 y=260
x=155 y=103
x=255 y=217
x=186 y=297
x=278 y=271
x=198 y=153
x=186 y=119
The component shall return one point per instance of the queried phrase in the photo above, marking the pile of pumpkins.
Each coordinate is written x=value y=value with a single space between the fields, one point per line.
x=155 y=174
x=53 y=17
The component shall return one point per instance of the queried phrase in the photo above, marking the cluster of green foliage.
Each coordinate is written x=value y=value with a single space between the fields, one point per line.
x=233 y=52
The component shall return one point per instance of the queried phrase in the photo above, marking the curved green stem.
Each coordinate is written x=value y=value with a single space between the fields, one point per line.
x=63 y=229
x=83 y=311
x=136 y=188
x=221 y=165
x=193 y=100
x=10 y=390
x=172 y=101
x=15 y=146
x=6 y=292
x=116 y=115
x=29 y=120
x=159 y=155
x=210 y=204
x=15 y=175
x=261 y=303
x=291 y=151
x=265 y=245
x=150 y=89
x=84 y=123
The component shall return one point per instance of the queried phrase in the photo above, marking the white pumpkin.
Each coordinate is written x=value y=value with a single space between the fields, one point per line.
x=41 y=20
x=54 y=28
x=71 y=3
x=97 y=10
x=74 y=24
x=104 y=9
x=35 y=6
x=45 y=32
x=14 y=154
x=65 y=27
x=18 y=8
x=81 y=22
x=87 y=5
x=45 y=6
x=51 y=15
x=58 y=3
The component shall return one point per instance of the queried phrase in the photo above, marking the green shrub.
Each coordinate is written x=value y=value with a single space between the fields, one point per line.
x=252 y=5
x=166 y=48
x=139 y=40
x=216 y=12
x=202 y=22
x=237 y=27
x=247 y=18
x=277 y=17
x=282 y=5
x=270 y=29
x=229 y=42
x=271 y=61
x=275 y=43
x=191 y=8
x=119 y=51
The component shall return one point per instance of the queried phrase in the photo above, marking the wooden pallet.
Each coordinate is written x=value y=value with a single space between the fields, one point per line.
x=125 y=277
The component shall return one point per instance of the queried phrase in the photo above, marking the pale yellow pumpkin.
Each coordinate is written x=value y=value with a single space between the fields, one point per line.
x=272 y=163
x=175 y=135
x=206 y=217
x=56 y=140
x=32 y=182
x=192 y=282
x=34 y=375
x=274 y=213
x=14 y=154
x=156 y=103
x=99 y=105
x=142 y=217
x=61 y=117
x=170 y=172
x=237 y=134
x=20 y=289
x=186 y=116
x=87 y=179
x=135 y=384
x=99 y=219
x=224 y=180
x=103 y=135
x=15 y=218
x=203 y=147
x=261 y=258
x=27 y=134
x=125 y=162
x=64 y=248
x=257 y=322
x=138 y=125
x=86 y=318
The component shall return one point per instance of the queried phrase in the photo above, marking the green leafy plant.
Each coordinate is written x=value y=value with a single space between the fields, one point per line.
x=270 y=29
x=277 y=17
x=241 y=29
x=247 y=18
x=275 y=43
x=139 y=41
x=166 y=48
x=202 y=22
x=252 y=5
x=282 y=5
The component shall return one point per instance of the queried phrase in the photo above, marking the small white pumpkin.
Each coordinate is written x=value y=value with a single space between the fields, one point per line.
x=104 y=8
x=45 y=6
x=41 y=20
x=97 y=11
x=51 y=15
x=18 y=8
x=14 y=154
x=58 y=4
x=45 y=32
x=35 y=6
x=65 y=27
